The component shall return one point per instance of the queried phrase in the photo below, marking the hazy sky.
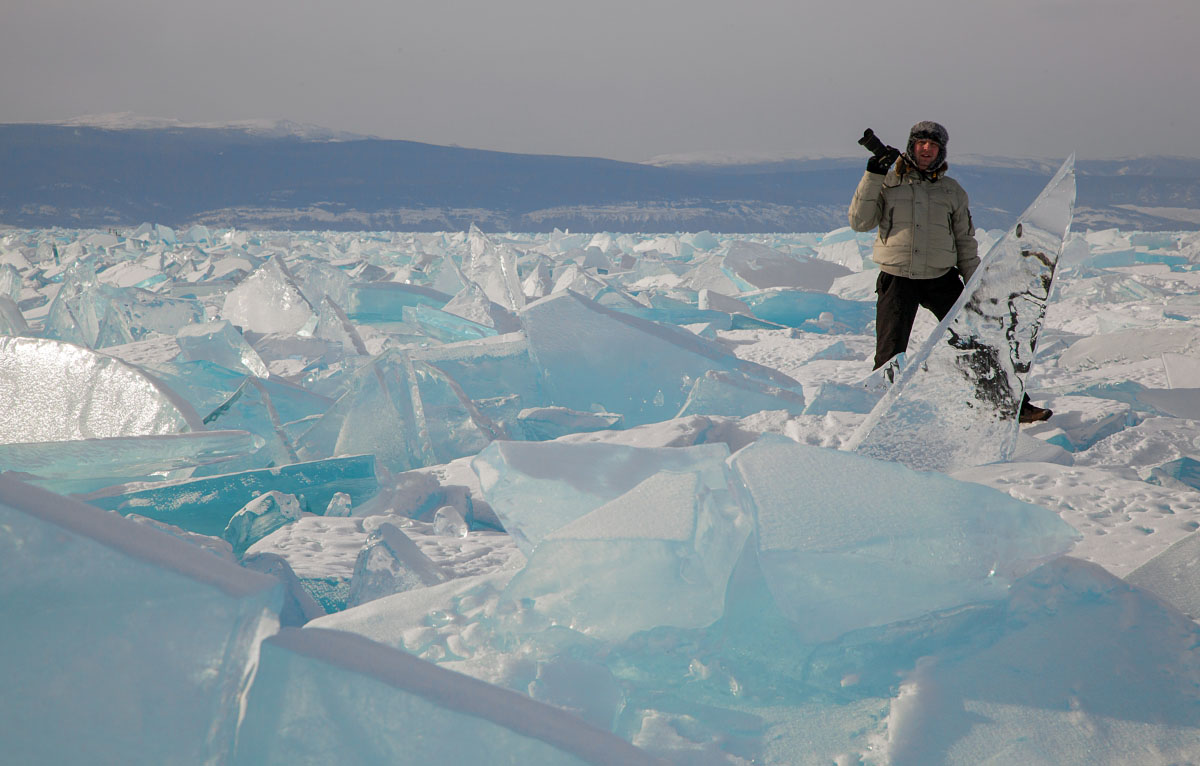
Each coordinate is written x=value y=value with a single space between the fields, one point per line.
x=629 y=79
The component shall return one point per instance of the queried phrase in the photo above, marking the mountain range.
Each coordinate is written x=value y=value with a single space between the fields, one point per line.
x=283 y=176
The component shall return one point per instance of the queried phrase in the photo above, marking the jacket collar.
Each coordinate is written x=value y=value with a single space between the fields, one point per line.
x=904 y=167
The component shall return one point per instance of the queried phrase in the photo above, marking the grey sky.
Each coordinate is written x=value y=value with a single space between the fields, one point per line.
x=629 y=79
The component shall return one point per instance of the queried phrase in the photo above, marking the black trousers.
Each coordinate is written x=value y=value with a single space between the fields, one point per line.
x=896 y=308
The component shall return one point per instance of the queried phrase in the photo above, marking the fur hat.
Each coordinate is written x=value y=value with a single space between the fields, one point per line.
x=932 y=131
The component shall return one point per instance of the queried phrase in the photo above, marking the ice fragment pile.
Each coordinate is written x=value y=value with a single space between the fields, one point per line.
x=545 y=480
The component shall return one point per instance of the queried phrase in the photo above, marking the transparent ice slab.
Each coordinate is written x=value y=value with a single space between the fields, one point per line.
x=801 y=308
x=538 y=487
x=956 y=401
x=206 y=505
x=407 y=413
x=251 y=408
x=385 y=301
x=55 y=391
x=121 y=644
x=315 y=688
x=735 y=395
x=89 y=464
x=220 y=343
x=658 y=555
x=488 y=368
x=443 y=326
x=848 y=542
x=640 y=369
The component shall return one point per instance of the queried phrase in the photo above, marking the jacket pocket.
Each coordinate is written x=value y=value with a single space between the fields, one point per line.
x=885 y=226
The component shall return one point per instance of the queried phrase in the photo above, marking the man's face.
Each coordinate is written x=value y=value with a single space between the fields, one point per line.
x=925 y=152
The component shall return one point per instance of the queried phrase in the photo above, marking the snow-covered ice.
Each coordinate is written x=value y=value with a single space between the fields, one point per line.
x=461 y=497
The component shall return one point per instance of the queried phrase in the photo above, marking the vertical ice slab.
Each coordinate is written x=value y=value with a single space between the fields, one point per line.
x=326 y=696
x=538 y=487
x=848 y=542
x=955 y=402
x=660 y=554
x=55 y=391
x=120 y=643
x=494 y=268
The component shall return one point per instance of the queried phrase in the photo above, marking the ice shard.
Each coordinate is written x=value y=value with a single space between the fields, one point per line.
x=955 y=402
x=250 y=408
x=315 y=687
x=259 y=518
x=660 y=554
x=56 y=391
x=640 y=369
x=121 y=644
x=472 y=303
x=494 y=268
x=389 y=563
x=848 y=542
x=220 y=343
x=538 y=487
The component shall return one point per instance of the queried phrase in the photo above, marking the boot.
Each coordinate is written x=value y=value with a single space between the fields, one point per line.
x=1033 y=414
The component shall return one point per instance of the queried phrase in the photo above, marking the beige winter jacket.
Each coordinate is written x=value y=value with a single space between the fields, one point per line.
x=924 y=225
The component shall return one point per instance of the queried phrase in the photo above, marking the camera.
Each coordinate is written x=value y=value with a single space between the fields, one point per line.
x=875 y=146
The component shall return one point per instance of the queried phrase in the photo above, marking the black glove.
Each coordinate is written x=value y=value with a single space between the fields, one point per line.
x=879 y=163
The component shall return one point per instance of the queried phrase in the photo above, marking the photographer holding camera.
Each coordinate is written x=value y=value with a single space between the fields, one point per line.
x=926 y=247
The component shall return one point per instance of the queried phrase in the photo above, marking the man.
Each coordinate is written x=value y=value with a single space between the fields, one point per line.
x=926 y=245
